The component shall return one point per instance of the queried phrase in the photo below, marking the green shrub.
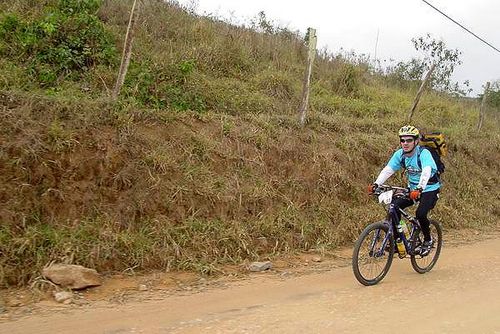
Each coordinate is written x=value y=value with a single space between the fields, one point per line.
x=65 y=41
x=78 y=6
x=158 y=86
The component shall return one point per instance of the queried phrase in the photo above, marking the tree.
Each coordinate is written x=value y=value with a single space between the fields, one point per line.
x=494 y=95
x=445 y=59
x=434 y=52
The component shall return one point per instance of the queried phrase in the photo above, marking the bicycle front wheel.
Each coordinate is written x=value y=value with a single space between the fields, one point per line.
x=423 y=264
x=373 y=254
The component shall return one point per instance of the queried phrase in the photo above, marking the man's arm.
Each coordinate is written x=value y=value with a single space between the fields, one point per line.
x=424 y=177
x=392 y=167
x=428 y=166
x=386 y=173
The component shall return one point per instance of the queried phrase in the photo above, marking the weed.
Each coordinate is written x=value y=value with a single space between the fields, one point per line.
x=61 y=138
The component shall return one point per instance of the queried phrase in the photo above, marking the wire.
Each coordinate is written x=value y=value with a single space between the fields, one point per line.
x=470 y=32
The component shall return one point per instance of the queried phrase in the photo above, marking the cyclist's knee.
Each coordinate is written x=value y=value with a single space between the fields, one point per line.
x=421 y=214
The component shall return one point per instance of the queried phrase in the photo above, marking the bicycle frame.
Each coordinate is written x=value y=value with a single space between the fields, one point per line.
x=391 y=221
x=415 y=227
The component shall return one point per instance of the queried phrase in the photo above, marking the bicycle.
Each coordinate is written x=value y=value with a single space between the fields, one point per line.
x=374 y=250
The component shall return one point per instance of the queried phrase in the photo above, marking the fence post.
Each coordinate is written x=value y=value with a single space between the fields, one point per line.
x=311 y=42
x=127 y=51
x=420 y=92
x=481 y=110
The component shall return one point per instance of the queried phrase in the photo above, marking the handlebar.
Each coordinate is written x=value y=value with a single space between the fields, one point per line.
x=398 y=191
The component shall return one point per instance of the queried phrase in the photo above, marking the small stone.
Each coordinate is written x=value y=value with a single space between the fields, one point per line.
x=285 y=274
x=143 y=287
x=63 y=296
x=260 y=266
x=317 y=259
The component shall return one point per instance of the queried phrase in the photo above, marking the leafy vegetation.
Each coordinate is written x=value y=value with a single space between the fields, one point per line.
x=494 y=95
x=434 y=52
x=64 y=42
x=201 y=162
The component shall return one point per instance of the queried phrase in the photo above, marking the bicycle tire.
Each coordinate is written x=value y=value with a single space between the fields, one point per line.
x=424 y=264
x=385 y=255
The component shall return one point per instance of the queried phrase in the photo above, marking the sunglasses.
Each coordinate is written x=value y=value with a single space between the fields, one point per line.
x=409 y=140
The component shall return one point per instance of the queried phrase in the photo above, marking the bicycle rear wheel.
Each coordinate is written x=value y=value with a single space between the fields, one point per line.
x=373 y=254
x=423 y=264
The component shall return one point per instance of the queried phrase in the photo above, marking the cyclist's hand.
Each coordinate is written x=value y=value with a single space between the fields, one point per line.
x=371 y=188
x=415 y=194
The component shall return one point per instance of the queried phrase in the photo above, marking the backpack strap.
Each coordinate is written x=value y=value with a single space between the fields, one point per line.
x=403 y=158
x=433 y=179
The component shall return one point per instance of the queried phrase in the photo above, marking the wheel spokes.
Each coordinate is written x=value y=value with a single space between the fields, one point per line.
x=372 y=255
x=425 y=261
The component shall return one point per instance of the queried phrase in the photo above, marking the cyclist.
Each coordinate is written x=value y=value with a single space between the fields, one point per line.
x=422 y=180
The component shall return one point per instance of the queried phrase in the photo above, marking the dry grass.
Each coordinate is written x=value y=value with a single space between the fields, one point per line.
x=202 y=161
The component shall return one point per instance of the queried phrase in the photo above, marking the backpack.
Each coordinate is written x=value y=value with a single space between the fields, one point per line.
x=436 y=144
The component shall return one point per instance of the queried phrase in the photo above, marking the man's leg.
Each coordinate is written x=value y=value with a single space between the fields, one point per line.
x=401 y=203
x=398 y=203
x=427 y=202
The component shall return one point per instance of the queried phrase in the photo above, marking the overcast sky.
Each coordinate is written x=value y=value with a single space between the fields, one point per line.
x=353 y=25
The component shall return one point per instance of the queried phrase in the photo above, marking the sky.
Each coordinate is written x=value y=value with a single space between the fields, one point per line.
x=353 y=25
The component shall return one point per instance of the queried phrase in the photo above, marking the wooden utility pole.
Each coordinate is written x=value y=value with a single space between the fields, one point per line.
x=127 y=51
x=420 y=92
x=311 y=42
x=481 y=110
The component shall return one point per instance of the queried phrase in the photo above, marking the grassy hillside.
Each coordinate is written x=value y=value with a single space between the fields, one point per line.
x=201 y=162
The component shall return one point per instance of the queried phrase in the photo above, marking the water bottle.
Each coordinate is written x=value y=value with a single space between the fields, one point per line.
x=401 y=247
x=399 y=242
x=404 y=228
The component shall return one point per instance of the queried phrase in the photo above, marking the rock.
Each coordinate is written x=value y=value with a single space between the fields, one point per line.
x=260 y=266
x=72 y=276
x=63 y=297
x=317 y=259
x=143 y=287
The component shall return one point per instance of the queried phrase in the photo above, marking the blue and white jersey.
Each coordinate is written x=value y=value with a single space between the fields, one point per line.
x=412 y=167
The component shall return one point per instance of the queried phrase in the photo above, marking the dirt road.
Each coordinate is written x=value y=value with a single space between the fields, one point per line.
x=460 y=295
